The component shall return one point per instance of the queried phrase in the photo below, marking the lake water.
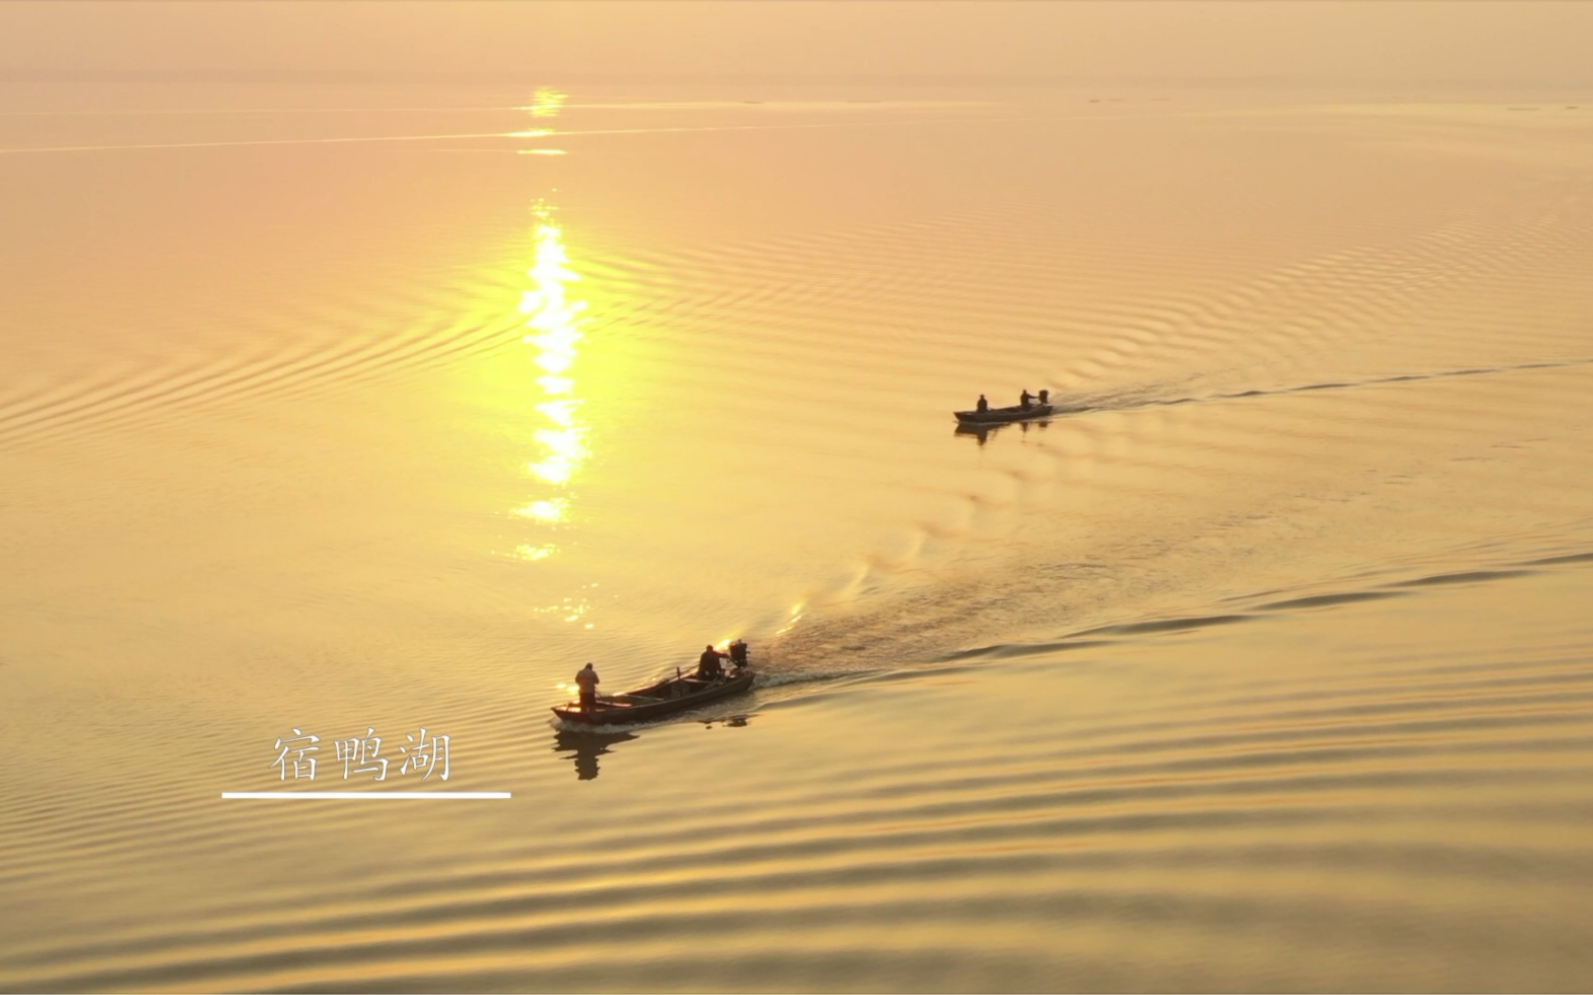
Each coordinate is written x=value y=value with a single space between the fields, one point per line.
x=1266 y=664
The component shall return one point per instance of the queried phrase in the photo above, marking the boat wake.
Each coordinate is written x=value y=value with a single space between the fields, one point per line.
x=1153 y=397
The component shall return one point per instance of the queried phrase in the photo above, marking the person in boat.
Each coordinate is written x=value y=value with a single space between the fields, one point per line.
x=1024 y=399
x=708 y=668
x=738 y=654
x=983 y=405
x=587 y=680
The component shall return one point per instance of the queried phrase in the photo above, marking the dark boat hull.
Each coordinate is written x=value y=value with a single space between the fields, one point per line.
x=1004 y=416
x=668 y=697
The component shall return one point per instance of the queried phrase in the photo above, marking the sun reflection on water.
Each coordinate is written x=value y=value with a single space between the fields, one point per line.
x=554 y=318
x=556 y=321
x=555 y=328
x=546 y=102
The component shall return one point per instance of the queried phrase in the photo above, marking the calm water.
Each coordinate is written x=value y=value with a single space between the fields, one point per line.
x=1268 y=664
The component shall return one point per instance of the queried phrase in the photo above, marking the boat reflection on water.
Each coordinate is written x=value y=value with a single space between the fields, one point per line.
x=586 y=747
x=980 y=432
x=983 y=432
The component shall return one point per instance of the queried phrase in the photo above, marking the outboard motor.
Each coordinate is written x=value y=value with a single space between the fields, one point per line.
x=738 y=654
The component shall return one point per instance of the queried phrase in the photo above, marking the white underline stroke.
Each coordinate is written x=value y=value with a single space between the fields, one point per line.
x=463 y=795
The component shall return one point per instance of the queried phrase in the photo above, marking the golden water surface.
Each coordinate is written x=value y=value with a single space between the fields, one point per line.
x=1266 y=664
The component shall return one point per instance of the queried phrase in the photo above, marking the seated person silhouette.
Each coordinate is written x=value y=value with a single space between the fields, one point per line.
x=708 y=668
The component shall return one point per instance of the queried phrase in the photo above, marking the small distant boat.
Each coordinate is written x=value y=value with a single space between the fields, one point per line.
x=668 y=697
x=1002 y=416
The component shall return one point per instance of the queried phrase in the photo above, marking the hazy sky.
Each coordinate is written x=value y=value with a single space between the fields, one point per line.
x=1516 y=41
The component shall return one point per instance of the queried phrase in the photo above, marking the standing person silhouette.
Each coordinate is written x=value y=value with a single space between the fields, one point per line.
x=587 y=680
x=983 y=404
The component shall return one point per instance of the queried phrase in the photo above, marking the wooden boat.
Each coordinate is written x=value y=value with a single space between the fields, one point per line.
x=1003 y=416
x=668 y=697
